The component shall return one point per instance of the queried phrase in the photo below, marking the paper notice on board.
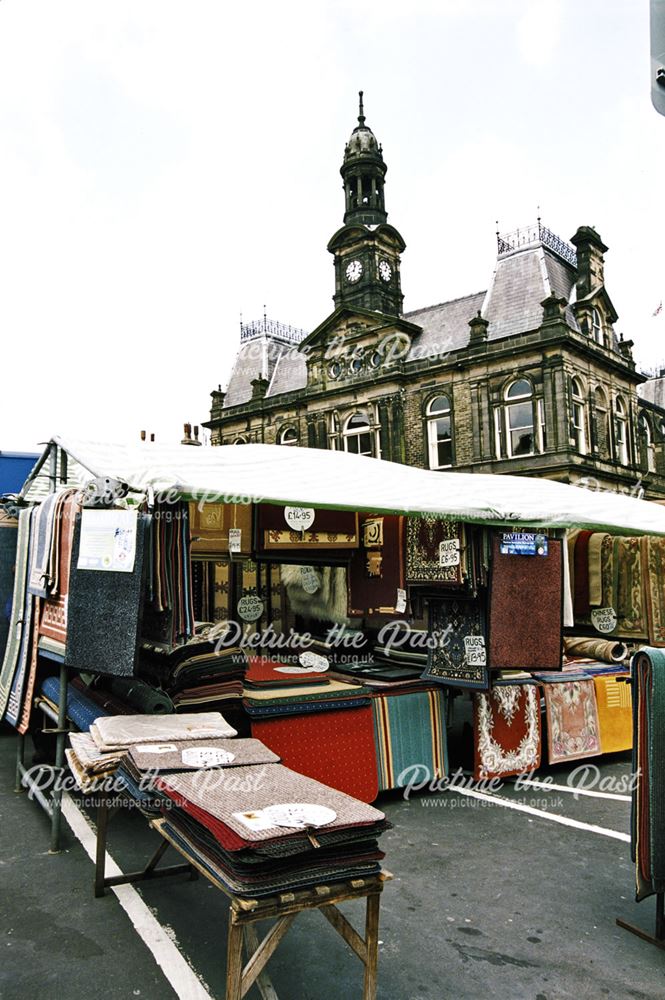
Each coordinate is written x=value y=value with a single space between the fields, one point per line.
x=108 y=540
x=235 y=539
x=400 y=603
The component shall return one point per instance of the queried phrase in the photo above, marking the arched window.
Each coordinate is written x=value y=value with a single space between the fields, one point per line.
x=621 y=434
x=288 y=435
x=357 y=435
x=602 y=435
x=647 y=446
x=519 y=418
x=597 y=331
x=240 y=440
x=439 y=433
x=578 y=416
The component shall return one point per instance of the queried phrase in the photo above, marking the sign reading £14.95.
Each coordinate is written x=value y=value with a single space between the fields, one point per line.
x=299 y=518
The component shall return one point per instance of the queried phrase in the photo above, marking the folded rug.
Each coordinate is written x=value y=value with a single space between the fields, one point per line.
x=648 y=813
x=19 y=599
x=124 y=730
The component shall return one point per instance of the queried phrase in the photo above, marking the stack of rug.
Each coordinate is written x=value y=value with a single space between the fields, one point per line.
x=322 y=695
x=197 y=675
x=259 y=828
x=91 y=766
x=648 y=812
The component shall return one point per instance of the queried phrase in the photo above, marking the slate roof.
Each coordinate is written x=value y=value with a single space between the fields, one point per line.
x=255 y=359
x=523 y=278
x=290 y=373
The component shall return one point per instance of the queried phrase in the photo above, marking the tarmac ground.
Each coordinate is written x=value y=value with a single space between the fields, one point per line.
x=489 y=900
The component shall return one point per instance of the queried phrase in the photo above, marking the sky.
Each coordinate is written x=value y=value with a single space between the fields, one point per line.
x=167 y=167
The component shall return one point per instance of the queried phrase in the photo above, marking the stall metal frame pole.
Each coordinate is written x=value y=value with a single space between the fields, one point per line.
x=24 y=778
x=658 y=937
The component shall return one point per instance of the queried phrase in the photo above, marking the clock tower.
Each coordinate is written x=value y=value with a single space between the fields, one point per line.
x=366 y=249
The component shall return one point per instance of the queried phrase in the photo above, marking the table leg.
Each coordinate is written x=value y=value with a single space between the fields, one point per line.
x=372 y=945
x=234 y=962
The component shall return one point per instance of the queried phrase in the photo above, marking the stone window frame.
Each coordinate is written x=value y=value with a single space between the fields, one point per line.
x=430 y=420
x=373 y=429
x=240 y=439
x=579 y=424
x=621 y=446
x=286 y=429
x=647 y=442
x=502 y=417
x=602 y=415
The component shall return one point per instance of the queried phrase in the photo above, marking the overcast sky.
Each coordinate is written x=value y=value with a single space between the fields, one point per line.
x=166 y=166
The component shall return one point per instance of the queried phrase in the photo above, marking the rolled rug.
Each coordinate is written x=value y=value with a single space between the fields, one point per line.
x=142 y=696
x=606 y=650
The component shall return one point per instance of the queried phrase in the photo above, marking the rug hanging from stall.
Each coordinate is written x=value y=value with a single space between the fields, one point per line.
x=653 y=559
x=21 y=674
x=459 y=658
x=525 y=609
x=8 y=538
x=317 y=592
x=20 y=600
x=615 y=712
x=506 y=730
x=376 y=570
x=581 y=604
x=629 y=588
x=648 y=811
x=210 y=524
x=410 y=735
x=44 y=519
x=104 y=612
x=336 y=748
x=221 y=592
x=54 y=609
x=572 y=720
x=434 y=551
x=330 y=530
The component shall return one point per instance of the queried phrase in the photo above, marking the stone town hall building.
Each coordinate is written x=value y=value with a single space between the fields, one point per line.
x=528 y=376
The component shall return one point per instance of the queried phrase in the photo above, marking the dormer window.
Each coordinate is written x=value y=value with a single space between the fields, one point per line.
x=597 y=328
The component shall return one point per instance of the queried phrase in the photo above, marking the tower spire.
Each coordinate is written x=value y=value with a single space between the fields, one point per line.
x=361 y=112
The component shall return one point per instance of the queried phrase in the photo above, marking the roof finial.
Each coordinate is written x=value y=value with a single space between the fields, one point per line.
x=361 y=112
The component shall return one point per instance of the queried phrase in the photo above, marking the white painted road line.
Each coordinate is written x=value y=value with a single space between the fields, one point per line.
x=179 y=973
x=534 y=783
x=552 y=817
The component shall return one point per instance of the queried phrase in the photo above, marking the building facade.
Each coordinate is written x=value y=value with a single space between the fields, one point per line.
x=525 y=377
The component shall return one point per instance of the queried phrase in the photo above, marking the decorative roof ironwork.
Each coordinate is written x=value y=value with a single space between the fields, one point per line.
x=271 y=328
x=534 y=234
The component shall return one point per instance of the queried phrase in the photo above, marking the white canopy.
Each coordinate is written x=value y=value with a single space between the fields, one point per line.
x=316 y=478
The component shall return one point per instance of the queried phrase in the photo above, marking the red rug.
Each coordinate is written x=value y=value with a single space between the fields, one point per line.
x=337 y=748
x=506 y=731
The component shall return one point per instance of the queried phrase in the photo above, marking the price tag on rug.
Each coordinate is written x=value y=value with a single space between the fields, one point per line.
x=604 y=619
x=206 y=757
x=250 y=608
x=299 y=518
x=449 y=552
x=235 y=540
x=474 y=647
x=313 y=662
x=299 y=815
x=157 y=748
x=253 y=819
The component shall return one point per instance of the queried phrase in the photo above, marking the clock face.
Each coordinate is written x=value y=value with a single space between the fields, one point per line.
x=385 y=270
x=353 y=271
